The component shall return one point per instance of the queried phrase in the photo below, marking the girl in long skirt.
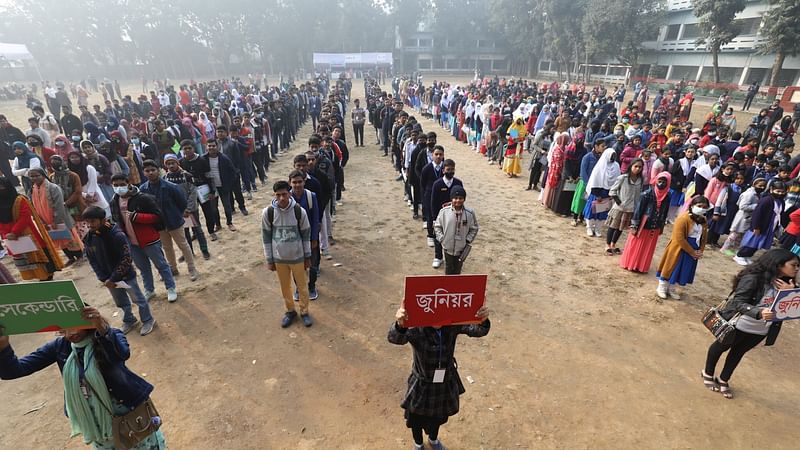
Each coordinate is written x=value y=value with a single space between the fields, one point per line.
x=554 y=174
x=598 y=203
x=679 y=262
x=765 y=220
x=741 y=222
x=625 y=192
x=434 y=386
x=725 y=209
x=647 y=224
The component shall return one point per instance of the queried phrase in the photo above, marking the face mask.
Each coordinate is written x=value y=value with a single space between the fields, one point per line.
x=758 y=190
x=449 y=175
x=60 y=143
x=698 y=211
x=778 y=196
x=121 y=190
x=134 y=141
x=618 y=133
x=661 y=184
x=76 y=138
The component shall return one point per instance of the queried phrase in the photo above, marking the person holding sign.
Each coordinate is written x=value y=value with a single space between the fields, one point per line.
x=36 y=257
x=434 y=386
x=754 y=290
x=97 y=384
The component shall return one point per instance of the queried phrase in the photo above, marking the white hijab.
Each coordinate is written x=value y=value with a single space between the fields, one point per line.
x=605 y=173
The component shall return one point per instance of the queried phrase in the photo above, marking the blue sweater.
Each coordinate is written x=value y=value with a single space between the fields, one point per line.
x=171 y=201
x=123 y=385
x=587 y=165
x=311 y=210
x=109 y=253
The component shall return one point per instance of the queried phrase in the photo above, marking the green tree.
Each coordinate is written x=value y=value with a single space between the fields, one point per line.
x=718 y=25
x=781 y=33
x=521 y=26
x=633 y=21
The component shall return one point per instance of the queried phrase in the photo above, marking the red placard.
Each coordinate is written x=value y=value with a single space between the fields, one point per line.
x=443 y=299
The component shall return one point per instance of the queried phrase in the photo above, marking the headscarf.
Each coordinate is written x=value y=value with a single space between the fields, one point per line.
x=61 y=177
x=95 y=132
x=62 y=150
x=88 y=417
x=24 y=160
x=122 y=147
x=79 y=168
x=7 y=198
x=605 y=173
x=571 y=153
x=543 y=117
x=661 y=194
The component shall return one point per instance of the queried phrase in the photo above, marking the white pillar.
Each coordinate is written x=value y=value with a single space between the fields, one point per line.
x=669 y=72
x=743 y=78
x=699 y=73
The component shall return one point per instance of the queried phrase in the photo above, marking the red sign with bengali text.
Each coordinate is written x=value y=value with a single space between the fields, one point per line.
x=441 y=300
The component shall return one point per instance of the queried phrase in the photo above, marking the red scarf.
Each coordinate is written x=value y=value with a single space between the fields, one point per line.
x=661 y=194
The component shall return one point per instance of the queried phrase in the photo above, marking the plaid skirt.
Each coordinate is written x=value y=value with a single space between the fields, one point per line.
x=429 y=399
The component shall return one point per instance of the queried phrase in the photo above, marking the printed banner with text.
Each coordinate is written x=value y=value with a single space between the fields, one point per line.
x=443 y=299
x=40 y=307
x=787 y=305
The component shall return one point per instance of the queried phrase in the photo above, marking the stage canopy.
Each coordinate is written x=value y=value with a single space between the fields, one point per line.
x=352 y=59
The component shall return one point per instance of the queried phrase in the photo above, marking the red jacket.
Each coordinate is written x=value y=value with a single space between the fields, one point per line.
x=794 y=223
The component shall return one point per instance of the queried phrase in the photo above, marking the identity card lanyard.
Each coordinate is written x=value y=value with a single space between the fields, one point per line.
x=438 y=374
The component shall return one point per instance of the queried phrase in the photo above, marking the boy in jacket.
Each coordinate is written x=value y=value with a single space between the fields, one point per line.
x=456 y=228
x=286 y=235
x=184 y=180
x=109 y=253
x=172 y=203
x=138 y=216
x=440 y=195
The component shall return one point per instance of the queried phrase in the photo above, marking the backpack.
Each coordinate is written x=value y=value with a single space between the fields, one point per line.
x=298 y=215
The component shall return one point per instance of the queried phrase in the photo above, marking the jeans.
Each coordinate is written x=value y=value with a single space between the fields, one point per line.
x=123 y=297
x=143 y=256
x=358 y=132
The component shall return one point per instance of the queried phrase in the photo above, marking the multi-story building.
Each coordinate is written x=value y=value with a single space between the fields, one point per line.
x=675 y=55
x=428 y=51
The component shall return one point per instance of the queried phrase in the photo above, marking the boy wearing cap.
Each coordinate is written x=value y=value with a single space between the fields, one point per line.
x=456 y=227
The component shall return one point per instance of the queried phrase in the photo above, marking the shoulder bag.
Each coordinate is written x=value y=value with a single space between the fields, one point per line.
x=133 y=427
x=723 y=330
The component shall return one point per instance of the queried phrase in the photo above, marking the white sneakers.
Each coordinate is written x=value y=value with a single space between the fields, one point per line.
x=436 y=263
x=172 y=295
x=665 y=290
x=430 y=242
x=742 y=261
x=589 y=231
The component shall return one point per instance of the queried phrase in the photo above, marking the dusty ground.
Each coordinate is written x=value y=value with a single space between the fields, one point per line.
x=581 y=353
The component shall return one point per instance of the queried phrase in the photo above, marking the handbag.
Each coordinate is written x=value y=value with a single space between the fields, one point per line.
x=134 y=426
x=723 y=330
x=570 y=186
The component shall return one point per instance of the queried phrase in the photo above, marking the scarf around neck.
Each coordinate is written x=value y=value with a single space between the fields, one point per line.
x=89 y=417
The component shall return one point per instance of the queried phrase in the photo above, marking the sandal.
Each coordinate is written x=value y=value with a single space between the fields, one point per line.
x=609 y=252
x=724 y=388
x=617 y=251
x=709 y=381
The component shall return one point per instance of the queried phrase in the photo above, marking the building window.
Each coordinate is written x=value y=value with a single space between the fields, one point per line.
x=424 y=43
x=688 y=72
x=452 y=43
x=499 y=64
x=438 y=63
x=659 y=72
x=544 y=66
x=691 y=31
x=672 y=32
x=452 y=63
x=473 y=43
x=423 y=64
x=467 y=64
x=411 y=42
x=749 y=27
x=484 y=43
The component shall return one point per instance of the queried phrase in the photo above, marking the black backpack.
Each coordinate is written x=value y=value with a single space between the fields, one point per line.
x=298 y=215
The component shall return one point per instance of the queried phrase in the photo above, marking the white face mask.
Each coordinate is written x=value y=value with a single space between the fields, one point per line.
x=121 y=190
x=699 y=211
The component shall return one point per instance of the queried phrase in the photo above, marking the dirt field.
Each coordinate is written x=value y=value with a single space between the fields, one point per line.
x=581 y=353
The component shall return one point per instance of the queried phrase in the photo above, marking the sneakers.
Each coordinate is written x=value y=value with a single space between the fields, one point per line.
x=313 y=294
x=673 y=293
x=307 y=320
x=206 y=256
x=213 y=236
x=436 y=263
x=436 y=445
x=149 y=294
x=172 y=295
x=430 y=241
x=249 y=197
x=194 y=274
x=288 y=318
x=175 y=272
x=326 y=254
x=127 y=327
x=661 y=290
x=147 y=328
x=244 y=211
x=741 y=261
x=232 y=227
x=589 y=232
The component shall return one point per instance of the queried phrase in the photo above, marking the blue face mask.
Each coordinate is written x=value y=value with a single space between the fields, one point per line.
x=134 y=141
